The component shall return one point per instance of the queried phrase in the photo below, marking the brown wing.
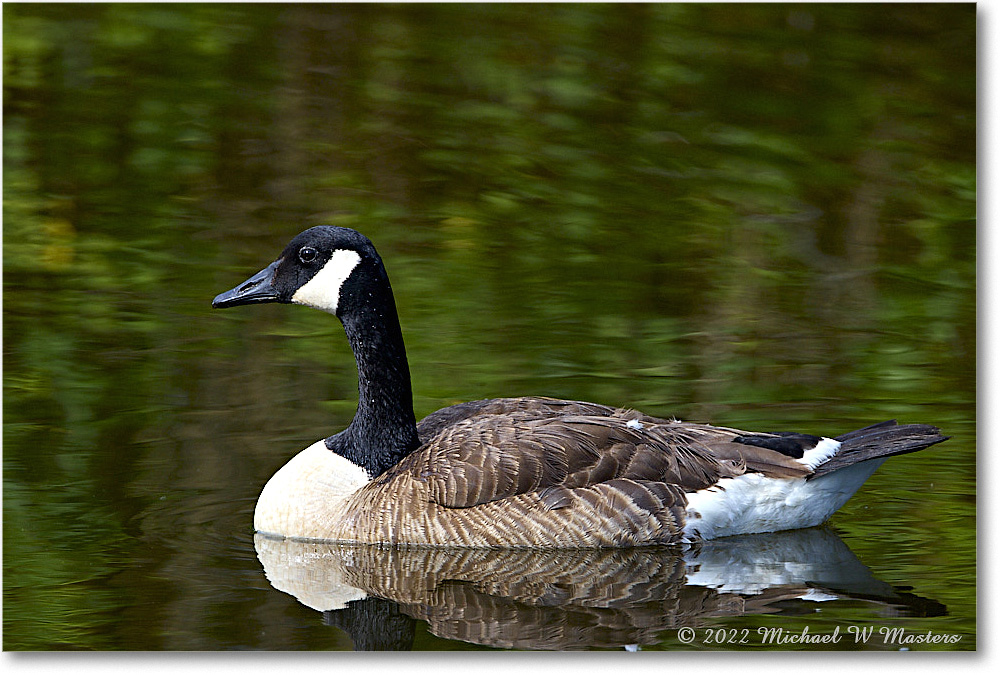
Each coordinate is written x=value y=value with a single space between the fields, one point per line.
x=546 y=473
x=720 y=443
x=495 y=449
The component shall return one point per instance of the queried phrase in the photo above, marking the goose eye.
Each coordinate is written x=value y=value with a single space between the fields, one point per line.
x=307 y=254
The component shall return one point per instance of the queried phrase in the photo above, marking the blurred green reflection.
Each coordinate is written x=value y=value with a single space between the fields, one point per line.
x=755 y=215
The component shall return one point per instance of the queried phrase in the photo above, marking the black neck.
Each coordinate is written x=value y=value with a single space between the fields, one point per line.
x=384 y=429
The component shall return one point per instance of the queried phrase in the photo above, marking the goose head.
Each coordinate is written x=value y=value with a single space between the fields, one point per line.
x=338 y=270
x=325 y=267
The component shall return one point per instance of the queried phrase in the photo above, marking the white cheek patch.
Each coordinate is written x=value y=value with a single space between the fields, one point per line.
x=323 y=290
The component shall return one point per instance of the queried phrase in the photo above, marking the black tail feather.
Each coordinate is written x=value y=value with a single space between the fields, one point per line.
x=866 y=430
x=880 y=440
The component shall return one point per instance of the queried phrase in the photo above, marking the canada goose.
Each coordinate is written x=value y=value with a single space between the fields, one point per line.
x=526 y=472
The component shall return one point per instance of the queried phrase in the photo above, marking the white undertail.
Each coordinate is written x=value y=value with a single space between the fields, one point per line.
x=754 y=503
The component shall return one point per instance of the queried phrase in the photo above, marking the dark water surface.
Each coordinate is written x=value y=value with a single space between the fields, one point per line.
x=756 y=216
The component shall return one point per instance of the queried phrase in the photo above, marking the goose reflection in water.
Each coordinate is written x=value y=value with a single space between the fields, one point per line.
x=571 y=599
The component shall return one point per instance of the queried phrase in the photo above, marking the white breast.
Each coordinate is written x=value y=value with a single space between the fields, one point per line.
x=303 y=499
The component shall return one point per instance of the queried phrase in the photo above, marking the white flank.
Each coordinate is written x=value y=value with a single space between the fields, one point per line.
x=823 y=451
x=301 y=500
x=634 y=424
x=323 y=290
x=754 y=503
